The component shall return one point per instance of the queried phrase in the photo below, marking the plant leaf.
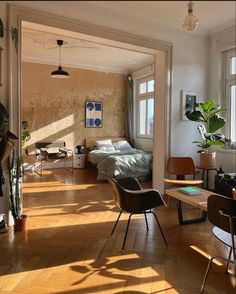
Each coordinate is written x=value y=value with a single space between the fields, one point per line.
x=195 y=116
x=216 y=122
x=14 y=37
x=1 y=29
x=208 y=106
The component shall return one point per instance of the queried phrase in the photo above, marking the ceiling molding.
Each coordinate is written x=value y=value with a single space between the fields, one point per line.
x=79 y=66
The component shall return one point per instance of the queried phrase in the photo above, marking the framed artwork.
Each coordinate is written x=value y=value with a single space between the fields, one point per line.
x=93 y=114
x=1 y=66
x=189 y=100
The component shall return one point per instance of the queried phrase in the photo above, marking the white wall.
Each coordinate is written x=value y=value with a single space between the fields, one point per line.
x=190 y=72
x=3 y=91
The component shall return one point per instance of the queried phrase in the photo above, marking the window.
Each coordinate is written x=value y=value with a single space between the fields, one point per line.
x=145 y=107
x=230 y=93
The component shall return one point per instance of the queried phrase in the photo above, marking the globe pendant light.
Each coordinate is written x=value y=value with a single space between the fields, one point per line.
x=60 y=73
x=190 y=22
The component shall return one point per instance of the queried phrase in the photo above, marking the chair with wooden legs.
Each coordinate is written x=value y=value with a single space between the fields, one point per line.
x=180 y=167
x=131 y=198
x=222 y=214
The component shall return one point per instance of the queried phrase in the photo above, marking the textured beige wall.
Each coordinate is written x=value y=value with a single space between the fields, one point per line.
x=55 y=109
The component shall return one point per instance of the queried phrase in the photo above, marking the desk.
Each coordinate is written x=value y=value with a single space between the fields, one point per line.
x=199 y=201
x=207 y=169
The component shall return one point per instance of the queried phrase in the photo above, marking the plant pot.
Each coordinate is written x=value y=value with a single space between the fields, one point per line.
x=208 y=160
x=20 y=224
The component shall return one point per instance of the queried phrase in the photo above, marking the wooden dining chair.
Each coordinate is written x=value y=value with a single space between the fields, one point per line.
x=179 y=168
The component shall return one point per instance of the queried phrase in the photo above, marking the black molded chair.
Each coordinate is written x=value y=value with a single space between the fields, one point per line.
x=222 y=214
x=131 y=198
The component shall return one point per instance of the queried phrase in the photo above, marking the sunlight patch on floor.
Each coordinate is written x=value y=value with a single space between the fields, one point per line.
x=217 y=262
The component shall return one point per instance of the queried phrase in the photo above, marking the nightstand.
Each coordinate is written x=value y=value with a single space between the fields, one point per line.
x=79 y=160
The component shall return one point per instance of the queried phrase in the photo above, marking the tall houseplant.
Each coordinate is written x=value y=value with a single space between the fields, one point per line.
x=25 y=134
x=207 y=114
x=15 y=180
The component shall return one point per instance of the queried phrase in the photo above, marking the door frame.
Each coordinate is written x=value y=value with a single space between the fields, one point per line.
x=162 y=52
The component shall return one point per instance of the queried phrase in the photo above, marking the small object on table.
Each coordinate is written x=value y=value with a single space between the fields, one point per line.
x=190 y=191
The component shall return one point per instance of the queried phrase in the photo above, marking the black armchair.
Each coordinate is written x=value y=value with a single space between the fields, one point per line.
x=131 y=198
x=46 y=151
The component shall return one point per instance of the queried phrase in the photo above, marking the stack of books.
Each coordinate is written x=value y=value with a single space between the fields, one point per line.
x=190 y=191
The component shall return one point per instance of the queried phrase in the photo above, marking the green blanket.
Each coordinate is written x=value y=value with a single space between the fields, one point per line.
x=122 y=163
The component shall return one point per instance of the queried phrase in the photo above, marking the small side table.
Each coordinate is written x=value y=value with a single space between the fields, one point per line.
x=79 y=160
x=207 y=169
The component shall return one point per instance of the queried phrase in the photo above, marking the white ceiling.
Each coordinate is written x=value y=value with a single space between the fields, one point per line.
x=212 y=15
x=146 y=18
x=39 y=45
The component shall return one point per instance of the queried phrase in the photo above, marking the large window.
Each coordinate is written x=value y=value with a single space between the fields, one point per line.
x=230 y=93
x=145 y=107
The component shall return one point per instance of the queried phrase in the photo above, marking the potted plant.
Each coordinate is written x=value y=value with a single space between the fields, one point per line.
x=207 y=114
x=15 y=180
x=14 y=33
x=25 y=135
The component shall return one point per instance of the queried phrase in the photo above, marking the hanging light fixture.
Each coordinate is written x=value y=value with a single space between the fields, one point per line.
x=60 y=73
x=190 y=22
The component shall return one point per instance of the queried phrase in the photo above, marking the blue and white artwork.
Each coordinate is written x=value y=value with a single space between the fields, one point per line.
x=93 y=111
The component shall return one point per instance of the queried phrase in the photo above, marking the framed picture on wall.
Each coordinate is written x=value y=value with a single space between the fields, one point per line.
x=189 y=100
x=93 y=114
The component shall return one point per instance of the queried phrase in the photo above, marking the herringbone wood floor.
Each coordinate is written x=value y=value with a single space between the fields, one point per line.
x=68 y=249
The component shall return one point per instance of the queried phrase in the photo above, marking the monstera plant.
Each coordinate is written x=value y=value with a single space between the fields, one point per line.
x=208 y=115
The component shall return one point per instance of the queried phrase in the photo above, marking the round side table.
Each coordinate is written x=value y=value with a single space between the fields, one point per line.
x=207 y=169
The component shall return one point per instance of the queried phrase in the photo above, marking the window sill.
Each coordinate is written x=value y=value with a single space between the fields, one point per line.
x=144 y=138
x=229 y=151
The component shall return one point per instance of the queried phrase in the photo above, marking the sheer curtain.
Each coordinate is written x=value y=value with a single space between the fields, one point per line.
x=130 y=111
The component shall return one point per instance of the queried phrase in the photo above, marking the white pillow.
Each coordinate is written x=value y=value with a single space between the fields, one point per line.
x=121 y=145
x=105 y=145
x=107 y=148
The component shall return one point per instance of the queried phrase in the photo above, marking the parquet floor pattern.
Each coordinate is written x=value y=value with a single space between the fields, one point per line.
x=68 y=249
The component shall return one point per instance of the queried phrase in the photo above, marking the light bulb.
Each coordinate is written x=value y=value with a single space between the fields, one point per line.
x=190 y=22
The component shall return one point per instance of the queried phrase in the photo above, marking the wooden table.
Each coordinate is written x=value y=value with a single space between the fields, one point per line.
x=199 y=201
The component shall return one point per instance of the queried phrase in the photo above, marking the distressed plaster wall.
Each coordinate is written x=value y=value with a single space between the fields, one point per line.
x=55 y=109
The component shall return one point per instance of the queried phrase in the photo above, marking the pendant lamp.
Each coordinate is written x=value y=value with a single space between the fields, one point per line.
x=60 y=73
x=190 y=22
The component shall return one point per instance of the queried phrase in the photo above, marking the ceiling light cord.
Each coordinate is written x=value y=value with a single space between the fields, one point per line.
x=60 y=73
x=60 y=56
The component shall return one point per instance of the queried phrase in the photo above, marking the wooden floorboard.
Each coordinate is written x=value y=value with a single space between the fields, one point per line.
x=68 y=249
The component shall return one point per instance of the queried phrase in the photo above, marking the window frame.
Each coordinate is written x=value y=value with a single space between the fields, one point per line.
x=229 y=80
x=139 y=97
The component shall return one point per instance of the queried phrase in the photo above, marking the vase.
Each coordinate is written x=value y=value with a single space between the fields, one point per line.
x=208 y=160
x=20 y=224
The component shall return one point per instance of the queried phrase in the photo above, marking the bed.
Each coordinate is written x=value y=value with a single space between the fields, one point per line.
x=119 y=162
